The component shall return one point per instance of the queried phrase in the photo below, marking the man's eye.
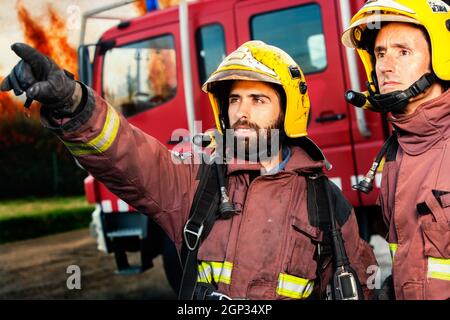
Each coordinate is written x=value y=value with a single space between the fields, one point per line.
x=233 y=100
x=404 y=52
x=380 y=54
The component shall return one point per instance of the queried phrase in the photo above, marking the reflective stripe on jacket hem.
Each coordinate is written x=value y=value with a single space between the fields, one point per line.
x=217 y=271
x=294 y=287
x=439 y=268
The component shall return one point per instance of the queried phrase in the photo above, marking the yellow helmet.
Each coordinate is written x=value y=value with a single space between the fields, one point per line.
x=257 y=61
x=433 y=15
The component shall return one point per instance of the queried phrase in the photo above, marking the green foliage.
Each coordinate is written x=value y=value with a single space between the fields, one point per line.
x=25 y=227
x=33 y=162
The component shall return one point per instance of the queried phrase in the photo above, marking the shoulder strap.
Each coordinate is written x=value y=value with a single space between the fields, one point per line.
x=319 y=216
x=202 y=217
x=391 y=152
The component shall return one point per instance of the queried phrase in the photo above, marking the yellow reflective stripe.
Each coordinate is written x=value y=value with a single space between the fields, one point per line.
x=204 y=273
x=102 y=142
x=219 y=271
x=393 y=248
x=294 y=287
x=439 y=268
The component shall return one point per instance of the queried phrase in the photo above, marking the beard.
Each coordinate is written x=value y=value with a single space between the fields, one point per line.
x=257 y=144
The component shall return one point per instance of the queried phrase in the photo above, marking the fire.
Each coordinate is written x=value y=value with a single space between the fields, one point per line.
x=141 y=7
x=52 y=40
x=162 y=73
x=9 y=106
x=163 y=4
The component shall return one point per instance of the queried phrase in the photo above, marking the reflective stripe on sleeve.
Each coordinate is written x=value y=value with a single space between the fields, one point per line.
x=102 y=142
x=294 y=287
x=439 y=268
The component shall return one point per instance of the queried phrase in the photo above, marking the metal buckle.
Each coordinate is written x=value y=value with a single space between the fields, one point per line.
x=219 y=295
x=197 y=234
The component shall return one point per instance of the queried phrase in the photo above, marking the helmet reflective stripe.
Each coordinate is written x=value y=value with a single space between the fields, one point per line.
x=294 y=287
x=242 y=56
x=257 y=61
x=439 y=268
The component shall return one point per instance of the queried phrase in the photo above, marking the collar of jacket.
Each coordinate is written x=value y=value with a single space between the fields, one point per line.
x=299 y=161
x=423 y=129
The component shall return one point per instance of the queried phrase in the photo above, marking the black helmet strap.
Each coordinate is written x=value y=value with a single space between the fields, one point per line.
x=397 y=101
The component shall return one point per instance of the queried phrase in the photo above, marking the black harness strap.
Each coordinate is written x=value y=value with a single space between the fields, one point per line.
x=203 y=214
x=319 y=216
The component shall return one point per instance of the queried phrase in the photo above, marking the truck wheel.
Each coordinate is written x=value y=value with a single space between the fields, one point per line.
x=172 y=265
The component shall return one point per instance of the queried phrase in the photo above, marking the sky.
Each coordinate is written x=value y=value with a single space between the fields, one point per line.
x=70 y=11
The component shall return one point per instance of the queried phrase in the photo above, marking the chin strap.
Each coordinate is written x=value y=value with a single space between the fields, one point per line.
x=397 y=101
x=394 y=102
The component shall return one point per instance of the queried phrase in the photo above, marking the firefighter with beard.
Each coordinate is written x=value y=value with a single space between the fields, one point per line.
x=266 y=241
x=404 y=47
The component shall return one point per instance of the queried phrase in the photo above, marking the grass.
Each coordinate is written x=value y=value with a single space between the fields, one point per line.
x=34 y=217
x=10 y=209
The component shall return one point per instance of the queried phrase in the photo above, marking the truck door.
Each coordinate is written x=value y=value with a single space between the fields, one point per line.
x=308 y=31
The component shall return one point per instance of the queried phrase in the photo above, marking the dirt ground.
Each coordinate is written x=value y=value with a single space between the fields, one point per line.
x=37 y=269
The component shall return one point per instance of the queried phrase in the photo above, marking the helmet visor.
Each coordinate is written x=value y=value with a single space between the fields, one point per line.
x=236 y=74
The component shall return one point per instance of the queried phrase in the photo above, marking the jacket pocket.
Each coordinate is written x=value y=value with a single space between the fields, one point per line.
x=212 y=264
x=413 y=290
x=437 y=251
x=297 y=282
x=443 y=198
x=304 y=239
x=437 y=203
x=436 y=237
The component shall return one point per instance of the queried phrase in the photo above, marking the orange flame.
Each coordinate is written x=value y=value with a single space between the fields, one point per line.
x=140 y=7
x=10 y=106
x=162 y=73
x=163 y=4
x=51 y=41
x=7 y=104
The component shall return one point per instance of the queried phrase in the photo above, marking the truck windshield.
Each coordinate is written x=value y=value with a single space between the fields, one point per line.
x=298 y=30
x=141 y=75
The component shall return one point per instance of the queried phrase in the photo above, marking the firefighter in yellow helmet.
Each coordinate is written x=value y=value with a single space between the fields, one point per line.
x=263 y=234
x=404 y=48
x=257 y=61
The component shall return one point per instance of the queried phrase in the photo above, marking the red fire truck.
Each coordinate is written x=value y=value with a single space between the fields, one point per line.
x=151 y=69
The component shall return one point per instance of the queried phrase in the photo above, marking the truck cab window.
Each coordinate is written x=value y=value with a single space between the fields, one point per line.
x=210 y=48
x=141 y=75
x=298 y=31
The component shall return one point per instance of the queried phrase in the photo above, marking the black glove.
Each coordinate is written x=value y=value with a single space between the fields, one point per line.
x=42 y=80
